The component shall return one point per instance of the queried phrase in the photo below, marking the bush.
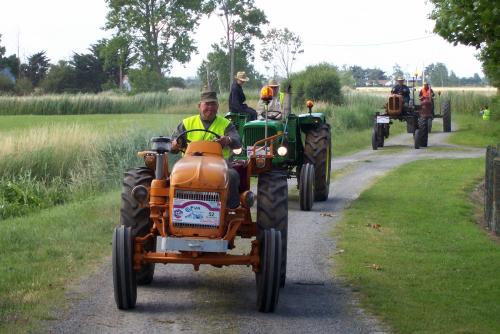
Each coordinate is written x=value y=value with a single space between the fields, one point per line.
x=60 y=79
x=318 y=82
x=144 y=80
x=6 y=85
x=23 y=86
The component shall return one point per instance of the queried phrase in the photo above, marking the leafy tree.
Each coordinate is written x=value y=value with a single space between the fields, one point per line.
x=375 y=74
x=397 y=71
x=159 y=29
x=36 y=68
x=359 y=74
x=145 y=80
x=473 y=23
x=12 y=63
x=241 y=21
x=61 y=78
x=23 y=86
x=215 y=66
x=116 y=57
x=318 y=82
x=438 y=74
x=89 y=74
x=453 y=80
x=346 y=77
x=2 y=48
x=280 y=48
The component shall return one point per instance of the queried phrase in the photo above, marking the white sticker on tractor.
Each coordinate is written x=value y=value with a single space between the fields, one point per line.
x=259 y=150
x=383 y=119
x=187 y=211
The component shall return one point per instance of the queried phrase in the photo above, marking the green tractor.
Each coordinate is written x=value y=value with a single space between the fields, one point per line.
x=302 y=148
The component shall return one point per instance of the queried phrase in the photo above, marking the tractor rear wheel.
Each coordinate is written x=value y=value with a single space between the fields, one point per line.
x=429 y=124
x=306 y=187
x=124 y=280
x=272 y=209
x=268 y=277
x=446 y=109
x=374 y=139
x=318 y=151
x=424 y=132
x=134 y=215
x=416 y=139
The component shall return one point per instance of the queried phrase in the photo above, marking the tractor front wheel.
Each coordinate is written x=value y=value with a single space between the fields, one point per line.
x=318 y=151
x=136 y=216
x=268 y=277
x=306 y=187
x=272 y=210
x=124 y=283
x=374 y=139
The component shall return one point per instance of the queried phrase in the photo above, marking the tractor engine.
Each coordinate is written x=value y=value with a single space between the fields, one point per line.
x=395 y=105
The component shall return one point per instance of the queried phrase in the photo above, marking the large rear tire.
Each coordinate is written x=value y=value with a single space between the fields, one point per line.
x=374 y=139
x=424 y=131
x=136 y=216
x=268 y=277
x=416 y=139
x=318 y=151
x=446 y=109
x=272 y=209
x=124 y=279
x=306 y=187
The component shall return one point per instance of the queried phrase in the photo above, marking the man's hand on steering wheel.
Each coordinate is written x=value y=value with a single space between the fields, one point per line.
x=224 y=141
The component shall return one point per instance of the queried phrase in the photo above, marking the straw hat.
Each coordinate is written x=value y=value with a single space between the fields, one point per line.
x=400 y=79
x=242 y=76
x=273 y=83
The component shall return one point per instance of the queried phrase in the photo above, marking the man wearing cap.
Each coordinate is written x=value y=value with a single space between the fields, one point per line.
x=237 y=97
x=402 y=89
x=275 y=107
x=229 y=139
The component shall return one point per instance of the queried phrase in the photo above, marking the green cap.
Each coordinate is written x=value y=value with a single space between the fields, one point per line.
x=208 y=96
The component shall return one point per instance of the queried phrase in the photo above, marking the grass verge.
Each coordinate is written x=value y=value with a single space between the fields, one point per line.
x=427 y=268
x=41 y=253
x=473 y=131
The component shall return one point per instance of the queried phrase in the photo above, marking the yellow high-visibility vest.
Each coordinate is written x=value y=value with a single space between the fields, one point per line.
x=218 y=126
x=486 y=114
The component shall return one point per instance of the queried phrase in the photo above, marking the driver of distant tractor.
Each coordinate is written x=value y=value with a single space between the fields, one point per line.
x=427 y=93
x=275 y=106
x=229 y=139
x=403 y=90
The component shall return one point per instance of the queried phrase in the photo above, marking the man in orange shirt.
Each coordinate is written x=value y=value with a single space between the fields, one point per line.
x=427 y=93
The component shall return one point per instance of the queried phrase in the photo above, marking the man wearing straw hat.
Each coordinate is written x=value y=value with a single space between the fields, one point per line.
x=275 y=107
x=237 y=97
x=402 y=89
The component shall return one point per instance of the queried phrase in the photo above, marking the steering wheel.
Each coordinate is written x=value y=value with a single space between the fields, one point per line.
x=183 y=141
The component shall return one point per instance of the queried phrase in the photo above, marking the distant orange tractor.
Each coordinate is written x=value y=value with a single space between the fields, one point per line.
x=180 y=216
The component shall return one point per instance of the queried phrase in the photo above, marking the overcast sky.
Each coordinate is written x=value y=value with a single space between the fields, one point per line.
x=354 y=32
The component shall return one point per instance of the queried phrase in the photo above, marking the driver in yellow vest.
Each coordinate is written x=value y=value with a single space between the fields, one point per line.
x=208 y=119
x=486 y=113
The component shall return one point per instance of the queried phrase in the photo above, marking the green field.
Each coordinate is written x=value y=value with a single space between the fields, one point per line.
x=426 y=267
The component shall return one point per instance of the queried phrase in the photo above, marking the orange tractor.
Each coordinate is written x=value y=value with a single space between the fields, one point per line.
x=181 y=216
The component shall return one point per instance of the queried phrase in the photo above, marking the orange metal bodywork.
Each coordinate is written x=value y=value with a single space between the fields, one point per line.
x=395 y=105
x=202 y=169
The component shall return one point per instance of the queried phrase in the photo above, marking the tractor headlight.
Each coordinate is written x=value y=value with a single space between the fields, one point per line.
x=237 y=151
x=282 y=151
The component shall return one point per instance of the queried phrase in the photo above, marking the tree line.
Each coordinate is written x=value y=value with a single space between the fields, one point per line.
x=149 y=35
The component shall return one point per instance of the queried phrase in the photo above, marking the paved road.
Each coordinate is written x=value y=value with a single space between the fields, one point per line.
x=223 y=300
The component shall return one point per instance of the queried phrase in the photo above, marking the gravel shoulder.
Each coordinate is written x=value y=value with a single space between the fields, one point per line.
x=214 y=300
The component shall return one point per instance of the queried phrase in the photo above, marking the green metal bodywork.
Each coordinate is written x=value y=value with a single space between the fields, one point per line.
x=294 y=128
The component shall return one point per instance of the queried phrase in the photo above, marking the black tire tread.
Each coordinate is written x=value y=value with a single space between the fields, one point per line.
x=317 y=150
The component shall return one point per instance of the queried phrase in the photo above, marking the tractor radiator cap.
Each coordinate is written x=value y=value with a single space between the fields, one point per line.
x=160 y=144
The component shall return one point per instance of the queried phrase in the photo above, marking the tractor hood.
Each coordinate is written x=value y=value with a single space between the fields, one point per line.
x=200 y=172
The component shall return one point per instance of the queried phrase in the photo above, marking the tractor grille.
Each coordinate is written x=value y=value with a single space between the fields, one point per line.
x=395 y=104
x=253 y=135
x=198 y=198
